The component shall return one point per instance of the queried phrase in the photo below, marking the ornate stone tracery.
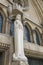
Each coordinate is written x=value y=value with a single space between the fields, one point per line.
x=23 y=3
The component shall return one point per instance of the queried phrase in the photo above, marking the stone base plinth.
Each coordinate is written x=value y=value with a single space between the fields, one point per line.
x=15 y=63
x=23 y=63
x=20 y=60
x=20 y=63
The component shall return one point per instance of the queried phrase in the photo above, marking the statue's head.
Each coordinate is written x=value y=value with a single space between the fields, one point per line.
x=18 y=17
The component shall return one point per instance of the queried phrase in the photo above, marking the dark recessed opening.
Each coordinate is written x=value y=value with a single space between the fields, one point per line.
x=1 y=58
x=35 y=61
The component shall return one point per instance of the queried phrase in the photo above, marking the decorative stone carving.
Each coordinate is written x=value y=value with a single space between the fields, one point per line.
x=19 y=48
x=9 y=9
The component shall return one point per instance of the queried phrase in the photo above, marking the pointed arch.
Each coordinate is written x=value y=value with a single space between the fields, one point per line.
x=2 y=21
x=37 y=36
x=28 y=32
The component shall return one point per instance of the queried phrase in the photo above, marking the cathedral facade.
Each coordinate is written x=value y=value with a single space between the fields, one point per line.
x=21 y=32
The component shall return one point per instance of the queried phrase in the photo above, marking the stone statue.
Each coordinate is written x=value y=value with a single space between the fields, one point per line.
x=18 y=36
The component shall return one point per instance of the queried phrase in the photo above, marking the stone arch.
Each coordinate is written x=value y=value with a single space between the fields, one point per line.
x=38 y=31
x=30 y=30
x=37 y=36
x=4 y=19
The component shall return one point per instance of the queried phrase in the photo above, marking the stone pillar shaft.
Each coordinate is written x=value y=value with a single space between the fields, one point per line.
x=34 y=35
x=7 y=27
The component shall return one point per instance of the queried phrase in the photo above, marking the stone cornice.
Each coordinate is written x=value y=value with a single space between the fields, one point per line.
x=34 y=50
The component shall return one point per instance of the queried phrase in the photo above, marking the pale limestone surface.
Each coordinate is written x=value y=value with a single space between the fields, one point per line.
x=34 y=17
x=19 y=47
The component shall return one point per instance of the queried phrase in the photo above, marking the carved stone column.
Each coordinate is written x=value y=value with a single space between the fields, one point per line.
x=19 y=47
x=7 y=26
x=34 y=35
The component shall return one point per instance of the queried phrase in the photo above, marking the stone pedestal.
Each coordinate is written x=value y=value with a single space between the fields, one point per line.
x=20 y=63
x=23 y=63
